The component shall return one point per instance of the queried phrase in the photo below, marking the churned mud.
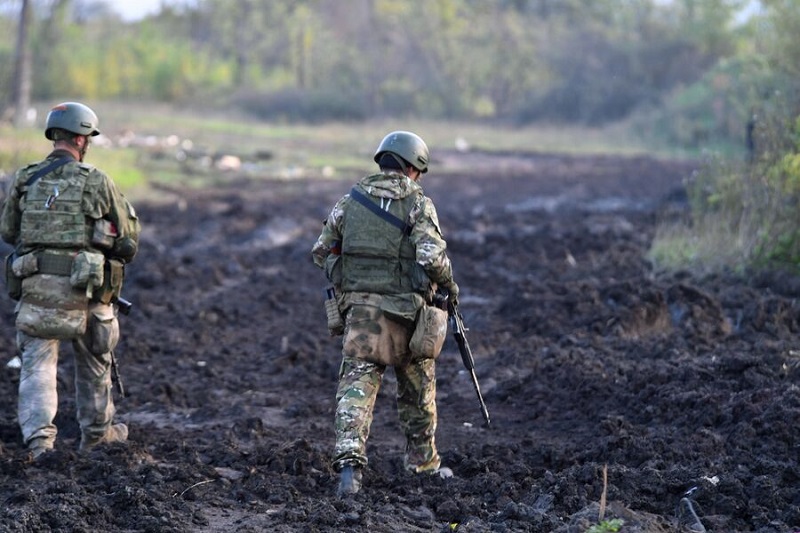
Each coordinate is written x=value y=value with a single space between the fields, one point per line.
x=682 y=390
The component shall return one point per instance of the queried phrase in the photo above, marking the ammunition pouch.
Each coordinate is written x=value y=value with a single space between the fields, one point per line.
x=334 y=315
x=111 y=287
x=87 y=271
x=429 y=333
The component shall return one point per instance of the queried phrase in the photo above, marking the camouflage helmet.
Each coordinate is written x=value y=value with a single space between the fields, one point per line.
x=407 y=145
x=71 y=116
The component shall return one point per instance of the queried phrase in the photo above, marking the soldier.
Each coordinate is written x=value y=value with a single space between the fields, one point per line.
x=383 y=250
x=73 y=232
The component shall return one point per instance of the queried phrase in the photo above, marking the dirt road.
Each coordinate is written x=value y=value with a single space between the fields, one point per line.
x=683 y=388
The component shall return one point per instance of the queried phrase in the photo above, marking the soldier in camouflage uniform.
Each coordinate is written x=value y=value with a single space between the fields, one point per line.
x=73 y=233
x=383 y=250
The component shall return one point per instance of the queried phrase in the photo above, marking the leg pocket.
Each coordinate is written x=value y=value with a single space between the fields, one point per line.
x=102 y=333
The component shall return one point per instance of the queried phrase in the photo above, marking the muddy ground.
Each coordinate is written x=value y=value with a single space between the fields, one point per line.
x=682 y=389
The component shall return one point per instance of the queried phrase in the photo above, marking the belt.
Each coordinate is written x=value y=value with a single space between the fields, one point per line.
x=55 y=264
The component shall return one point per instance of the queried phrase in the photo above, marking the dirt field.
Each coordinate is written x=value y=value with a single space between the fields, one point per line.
x=683 y=389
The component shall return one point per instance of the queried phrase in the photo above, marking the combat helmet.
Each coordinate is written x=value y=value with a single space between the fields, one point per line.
x=71 y=116
x=407 y=145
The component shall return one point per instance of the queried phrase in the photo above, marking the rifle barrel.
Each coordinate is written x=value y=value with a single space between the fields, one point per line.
x=466 y=356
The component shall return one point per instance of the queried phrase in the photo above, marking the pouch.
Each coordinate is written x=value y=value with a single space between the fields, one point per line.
x=429 y=333
x=102 y=331
x=50 y=308
x=335 y=319
x=87 y=270
x=13 y=282
x=104 y=234
x=25 y=265
x=113 y=277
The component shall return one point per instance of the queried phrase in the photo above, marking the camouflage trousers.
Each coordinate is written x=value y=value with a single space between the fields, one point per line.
x=360 y=380
x=38 y=397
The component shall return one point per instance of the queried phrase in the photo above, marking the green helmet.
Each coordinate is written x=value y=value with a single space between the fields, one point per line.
x=71 y=116
x=407 y=145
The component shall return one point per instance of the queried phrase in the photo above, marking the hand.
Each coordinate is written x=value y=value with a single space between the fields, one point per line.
x=452 y=293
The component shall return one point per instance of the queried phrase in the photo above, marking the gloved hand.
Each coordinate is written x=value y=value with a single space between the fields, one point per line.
x=452 y=292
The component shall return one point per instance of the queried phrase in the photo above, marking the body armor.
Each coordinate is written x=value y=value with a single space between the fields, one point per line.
x=52 y=210
x=377 y=256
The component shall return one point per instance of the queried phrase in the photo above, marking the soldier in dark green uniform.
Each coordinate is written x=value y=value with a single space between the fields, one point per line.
x=73 y=232
x=383 y=250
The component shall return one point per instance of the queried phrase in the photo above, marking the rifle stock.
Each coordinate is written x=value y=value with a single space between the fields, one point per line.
x=457 y=324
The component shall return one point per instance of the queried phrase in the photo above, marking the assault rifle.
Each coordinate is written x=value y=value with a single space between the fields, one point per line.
x=124 y=307
x=457 y=325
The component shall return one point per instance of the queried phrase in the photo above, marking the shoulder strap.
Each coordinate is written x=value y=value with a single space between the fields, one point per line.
x=49 y=168
x=385 y=215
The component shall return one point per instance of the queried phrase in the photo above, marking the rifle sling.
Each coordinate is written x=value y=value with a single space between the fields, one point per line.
x=385 y=215
x=46 y=170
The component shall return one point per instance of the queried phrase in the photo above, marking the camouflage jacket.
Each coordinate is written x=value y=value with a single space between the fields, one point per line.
x=100 y=200
x=425 y=234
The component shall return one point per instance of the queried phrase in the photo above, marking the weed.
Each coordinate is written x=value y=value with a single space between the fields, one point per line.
x=607 y=526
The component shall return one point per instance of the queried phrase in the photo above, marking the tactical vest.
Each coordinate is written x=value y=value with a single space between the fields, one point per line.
x=52 y=209
x=377 y=256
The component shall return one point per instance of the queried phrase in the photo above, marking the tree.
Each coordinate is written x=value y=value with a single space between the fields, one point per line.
x=21 y=83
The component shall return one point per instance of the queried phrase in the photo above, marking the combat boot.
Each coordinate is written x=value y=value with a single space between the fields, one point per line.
x=115 y=433
x=349 y=481
x=39 y=446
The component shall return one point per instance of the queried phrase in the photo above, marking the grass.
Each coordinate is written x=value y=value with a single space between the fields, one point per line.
x=711 y=244
x=333 y=149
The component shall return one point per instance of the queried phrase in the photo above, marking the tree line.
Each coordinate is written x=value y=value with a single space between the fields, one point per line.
x=691 y=66
x=692 y=73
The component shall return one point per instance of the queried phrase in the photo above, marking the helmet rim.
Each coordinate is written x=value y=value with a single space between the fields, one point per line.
x=73 y=117
x=407 y=145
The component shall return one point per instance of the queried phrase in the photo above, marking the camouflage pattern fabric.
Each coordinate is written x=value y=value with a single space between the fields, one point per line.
x=51 y=309
x=38 y=398
x=426 y=235
x=359 y=382
x=100 y=199
x=378 y=328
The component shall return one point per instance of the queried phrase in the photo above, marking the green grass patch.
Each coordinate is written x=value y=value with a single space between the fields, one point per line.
x=282 y=150
x=18 y=147
x=120 y=164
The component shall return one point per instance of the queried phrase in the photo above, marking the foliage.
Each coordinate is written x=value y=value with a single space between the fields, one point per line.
x=568 y=61
x=719 y=232
x=607 y=526
x=718 y=107
x=743 y=216
x=743 y=212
